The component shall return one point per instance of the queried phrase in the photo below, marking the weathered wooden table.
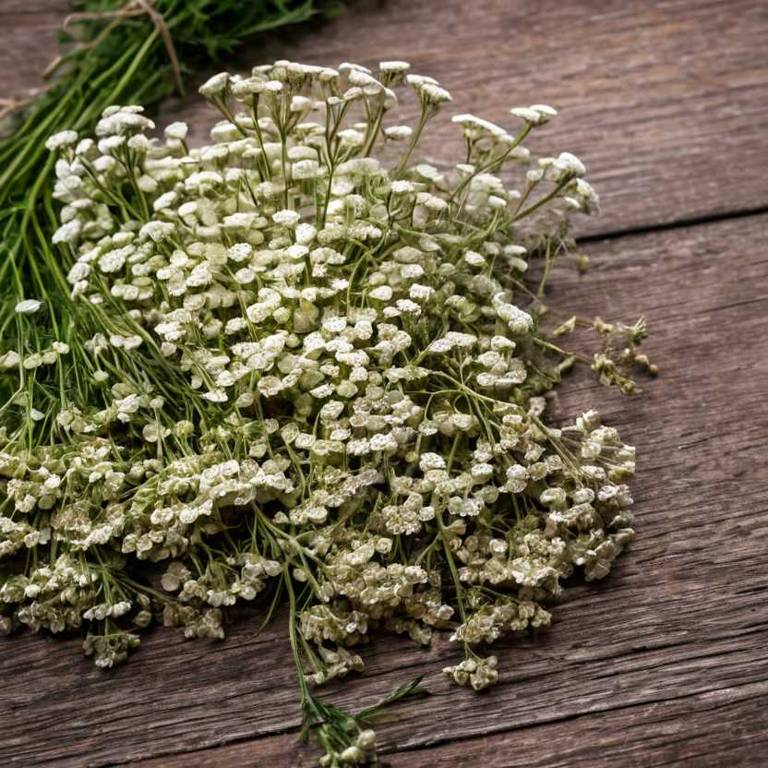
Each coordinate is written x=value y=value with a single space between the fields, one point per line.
x=666 y=662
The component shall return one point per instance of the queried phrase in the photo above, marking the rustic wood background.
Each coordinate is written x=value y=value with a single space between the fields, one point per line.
x=666 y=662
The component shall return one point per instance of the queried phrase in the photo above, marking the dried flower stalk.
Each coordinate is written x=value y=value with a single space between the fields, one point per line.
x=308 y=368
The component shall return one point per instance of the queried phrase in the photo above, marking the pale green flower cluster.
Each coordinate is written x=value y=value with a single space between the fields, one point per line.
x=315 y=371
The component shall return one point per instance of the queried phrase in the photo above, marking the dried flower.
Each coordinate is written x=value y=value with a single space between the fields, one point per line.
x=313 y=374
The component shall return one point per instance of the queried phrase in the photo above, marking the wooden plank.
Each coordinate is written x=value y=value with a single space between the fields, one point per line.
x=34 y=7
x=28 y=44
x=706 y=731
x=666 y=102
x=660 y=663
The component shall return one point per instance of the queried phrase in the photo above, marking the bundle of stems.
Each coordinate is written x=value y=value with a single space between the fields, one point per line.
x=113 y=51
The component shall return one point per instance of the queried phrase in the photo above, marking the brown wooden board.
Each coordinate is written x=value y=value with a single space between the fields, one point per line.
x=663 y=661
x=666 y=102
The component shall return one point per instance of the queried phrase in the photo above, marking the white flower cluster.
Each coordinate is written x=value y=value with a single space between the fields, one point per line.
x=315 y=367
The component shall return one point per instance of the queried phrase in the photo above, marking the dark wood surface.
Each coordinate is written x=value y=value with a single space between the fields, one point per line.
x=666 y=662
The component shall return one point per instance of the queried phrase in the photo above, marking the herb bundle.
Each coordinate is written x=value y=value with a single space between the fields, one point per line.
x=130 y=51
x=308 y=369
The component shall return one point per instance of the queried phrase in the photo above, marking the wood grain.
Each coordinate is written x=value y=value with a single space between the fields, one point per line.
x=666 y=662
x=705 y=731
x=27 y=46
x=660 y=664
x=667 y=102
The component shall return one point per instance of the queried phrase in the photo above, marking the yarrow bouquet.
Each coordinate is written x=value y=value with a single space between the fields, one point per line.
x=134 y=51
x=307 y=368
